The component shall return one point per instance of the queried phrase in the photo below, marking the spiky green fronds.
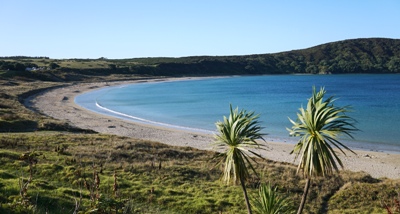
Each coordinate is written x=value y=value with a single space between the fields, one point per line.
x=319 y=126
x=236 y=135
x=269 y=201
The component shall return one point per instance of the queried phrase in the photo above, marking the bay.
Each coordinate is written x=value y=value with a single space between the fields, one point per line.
x=197 y=104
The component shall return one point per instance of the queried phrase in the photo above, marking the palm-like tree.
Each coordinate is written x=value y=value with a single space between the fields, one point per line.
x=269 y=202
x=319 y=126
x=236 y=135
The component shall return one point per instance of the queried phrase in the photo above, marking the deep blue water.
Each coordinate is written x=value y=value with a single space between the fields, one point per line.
x=198 y=104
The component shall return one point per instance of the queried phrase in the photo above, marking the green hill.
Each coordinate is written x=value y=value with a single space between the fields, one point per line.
x=349 y=56
x=372 y=55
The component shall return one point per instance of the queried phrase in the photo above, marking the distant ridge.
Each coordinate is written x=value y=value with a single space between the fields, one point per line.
x=369 y=55
x=373 y=55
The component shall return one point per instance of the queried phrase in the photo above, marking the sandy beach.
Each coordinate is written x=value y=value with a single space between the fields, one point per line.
x=59 y=103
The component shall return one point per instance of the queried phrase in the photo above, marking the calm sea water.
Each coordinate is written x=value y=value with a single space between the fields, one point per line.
x=198 y=104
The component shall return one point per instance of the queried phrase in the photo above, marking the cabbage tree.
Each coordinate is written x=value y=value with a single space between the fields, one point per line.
x=236 y=136
x=319 y=127
x=270 y=202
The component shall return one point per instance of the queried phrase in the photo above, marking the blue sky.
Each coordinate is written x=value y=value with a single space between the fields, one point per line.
x=174 y=28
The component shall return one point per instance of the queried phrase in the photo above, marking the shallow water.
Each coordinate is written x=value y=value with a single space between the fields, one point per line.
x=198 y=104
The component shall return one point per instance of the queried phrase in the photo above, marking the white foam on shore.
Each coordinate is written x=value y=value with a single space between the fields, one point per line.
x=152 y=122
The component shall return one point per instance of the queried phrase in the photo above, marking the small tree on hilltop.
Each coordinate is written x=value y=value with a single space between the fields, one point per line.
x=53 y=65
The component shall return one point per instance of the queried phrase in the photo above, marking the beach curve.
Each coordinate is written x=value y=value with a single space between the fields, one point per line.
x=59 y=103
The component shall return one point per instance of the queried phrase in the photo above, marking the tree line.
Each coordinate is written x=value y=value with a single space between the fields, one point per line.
x=24 y=57
x=373 y=55
x=349 y=56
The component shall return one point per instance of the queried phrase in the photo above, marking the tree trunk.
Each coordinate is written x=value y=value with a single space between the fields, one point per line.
x=303 y=199
x=246 y=198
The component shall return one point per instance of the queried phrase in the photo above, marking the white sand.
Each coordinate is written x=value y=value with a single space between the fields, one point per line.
x=59 y=103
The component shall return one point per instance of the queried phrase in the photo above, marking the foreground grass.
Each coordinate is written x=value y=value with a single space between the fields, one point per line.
x=80 y=170
x=150 y=176
x=156 y=178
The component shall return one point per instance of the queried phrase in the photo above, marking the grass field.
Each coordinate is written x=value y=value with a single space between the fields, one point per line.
x=148 y=177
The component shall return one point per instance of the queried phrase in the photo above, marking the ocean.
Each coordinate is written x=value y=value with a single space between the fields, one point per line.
x=198 y=103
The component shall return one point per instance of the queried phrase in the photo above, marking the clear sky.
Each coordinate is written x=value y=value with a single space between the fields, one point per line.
x=174 y=28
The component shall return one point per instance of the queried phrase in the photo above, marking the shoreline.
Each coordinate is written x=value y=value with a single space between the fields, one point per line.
x=60 y=103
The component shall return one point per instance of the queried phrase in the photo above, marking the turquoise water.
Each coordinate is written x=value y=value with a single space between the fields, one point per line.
x=198 y=104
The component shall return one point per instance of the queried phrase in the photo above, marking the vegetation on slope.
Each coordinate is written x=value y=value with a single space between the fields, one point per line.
x=374 y=55
x=147 y=177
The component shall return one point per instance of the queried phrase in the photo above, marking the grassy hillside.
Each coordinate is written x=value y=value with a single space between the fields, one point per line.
x=147 y=177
